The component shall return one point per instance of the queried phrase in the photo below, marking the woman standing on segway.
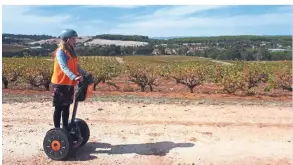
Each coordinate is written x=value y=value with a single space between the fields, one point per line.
x=66 y=73
x=59 y=142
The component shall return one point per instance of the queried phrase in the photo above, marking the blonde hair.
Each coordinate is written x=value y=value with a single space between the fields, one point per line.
x=65 y=46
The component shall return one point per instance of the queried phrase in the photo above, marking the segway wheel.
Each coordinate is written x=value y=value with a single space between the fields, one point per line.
x=57 y=144
x=84 y=130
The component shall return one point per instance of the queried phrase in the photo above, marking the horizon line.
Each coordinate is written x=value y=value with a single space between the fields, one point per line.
x=192 y=36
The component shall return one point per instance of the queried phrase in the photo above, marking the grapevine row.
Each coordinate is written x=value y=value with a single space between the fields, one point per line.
x=243 y=76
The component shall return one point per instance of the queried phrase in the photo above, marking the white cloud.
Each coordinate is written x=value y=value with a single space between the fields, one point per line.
x=18 y=19
x=113 y=6
x=22 y=19
x=20 y=15
x=176 y=21
x=173 y=12
x=168 y=21
x=179 y=11
x=216 y=22
x=88 y=27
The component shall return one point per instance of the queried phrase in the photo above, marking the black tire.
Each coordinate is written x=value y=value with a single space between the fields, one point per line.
x=84 y=130
x=57 y=144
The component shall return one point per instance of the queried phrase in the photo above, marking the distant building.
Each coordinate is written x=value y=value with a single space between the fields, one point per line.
x=277 y=50
x=86 y=44
x=34 y=47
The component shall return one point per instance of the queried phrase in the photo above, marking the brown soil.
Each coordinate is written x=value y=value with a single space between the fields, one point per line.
x=130 y=132
x=169 y=89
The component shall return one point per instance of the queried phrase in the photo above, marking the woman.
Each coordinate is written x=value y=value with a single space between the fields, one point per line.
x=66 y=73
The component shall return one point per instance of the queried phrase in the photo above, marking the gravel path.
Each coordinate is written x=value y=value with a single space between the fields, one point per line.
x=140 y=133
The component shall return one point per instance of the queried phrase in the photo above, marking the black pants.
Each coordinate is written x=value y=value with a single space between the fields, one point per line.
x=61 y=111
x=62 y=98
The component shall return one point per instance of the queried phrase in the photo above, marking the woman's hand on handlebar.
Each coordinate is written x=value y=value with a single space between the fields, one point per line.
x=86 y=74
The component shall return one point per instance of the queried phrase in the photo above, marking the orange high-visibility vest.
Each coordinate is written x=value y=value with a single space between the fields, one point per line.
x=59 y=77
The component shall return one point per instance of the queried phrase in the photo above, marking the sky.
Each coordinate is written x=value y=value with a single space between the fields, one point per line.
x=151 y=21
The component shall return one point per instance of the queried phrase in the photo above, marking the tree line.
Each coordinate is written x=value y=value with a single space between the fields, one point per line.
x=233 y=53
x=247 y=48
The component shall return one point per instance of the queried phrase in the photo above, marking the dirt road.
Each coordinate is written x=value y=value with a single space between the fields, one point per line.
x=137 y=133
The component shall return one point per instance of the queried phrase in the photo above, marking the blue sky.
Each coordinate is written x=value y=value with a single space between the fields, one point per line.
x=152 y=21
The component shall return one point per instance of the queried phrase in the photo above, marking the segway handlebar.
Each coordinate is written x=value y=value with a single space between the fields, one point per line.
x=81 y=93
x=82 y=87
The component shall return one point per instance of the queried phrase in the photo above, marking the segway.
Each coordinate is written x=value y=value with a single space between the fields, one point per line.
x=59 y=143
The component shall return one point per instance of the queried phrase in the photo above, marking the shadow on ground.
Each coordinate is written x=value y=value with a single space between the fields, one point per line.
x=158 y=148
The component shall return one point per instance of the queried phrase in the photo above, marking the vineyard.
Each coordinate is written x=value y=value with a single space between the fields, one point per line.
x=157 y=73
